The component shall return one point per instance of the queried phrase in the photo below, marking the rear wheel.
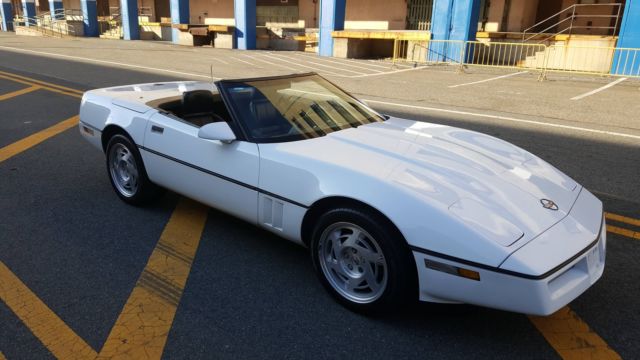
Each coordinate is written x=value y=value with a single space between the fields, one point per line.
x=362 y=260
x=127 y=173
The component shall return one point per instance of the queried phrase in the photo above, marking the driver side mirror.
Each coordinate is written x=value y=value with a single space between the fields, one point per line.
x=217 y=131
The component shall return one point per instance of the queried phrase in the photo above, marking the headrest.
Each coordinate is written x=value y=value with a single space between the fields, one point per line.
x=197 y=102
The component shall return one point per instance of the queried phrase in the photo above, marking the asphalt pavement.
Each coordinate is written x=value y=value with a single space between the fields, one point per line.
x=68 y=238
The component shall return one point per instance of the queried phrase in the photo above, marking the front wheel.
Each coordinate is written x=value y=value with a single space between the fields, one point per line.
x=127 y=173
x=362 y=260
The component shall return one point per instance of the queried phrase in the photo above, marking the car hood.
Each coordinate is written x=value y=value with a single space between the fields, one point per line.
x=490 y=186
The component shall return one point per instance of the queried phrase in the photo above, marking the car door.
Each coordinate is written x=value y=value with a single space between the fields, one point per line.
x=224 y=176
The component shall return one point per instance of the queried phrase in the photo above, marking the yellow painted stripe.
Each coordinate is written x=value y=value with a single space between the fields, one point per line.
x=74 y=93
x=571 y=337
x=143 y=325
x=43 y=323
x=622 y=219
x=2 y=356
x=35 y=139
x=19 y=92
x=624 y=232
x=32 y=80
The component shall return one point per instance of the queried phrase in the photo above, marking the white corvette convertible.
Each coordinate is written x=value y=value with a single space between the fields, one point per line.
x=391 y=209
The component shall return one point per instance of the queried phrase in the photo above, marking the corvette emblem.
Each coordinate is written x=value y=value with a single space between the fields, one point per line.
x=548 y=204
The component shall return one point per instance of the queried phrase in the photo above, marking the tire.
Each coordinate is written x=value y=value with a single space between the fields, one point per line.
x=127 y=173
x=363 y=261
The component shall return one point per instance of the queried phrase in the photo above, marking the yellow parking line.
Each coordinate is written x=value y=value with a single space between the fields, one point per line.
x=32 y=80
x=19 y=92
x=143 y=325
x=571 y=337
x=35 y=139
x=69 y=92
x=624 y=232
x=622 y=219
x=43 y=323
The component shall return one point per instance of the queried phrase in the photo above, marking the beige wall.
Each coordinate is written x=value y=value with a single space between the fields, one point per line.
x=522 y=14
x=593 y=10
x=309 y=12
x=211 y=12
x=494 y=16
x=376 y=14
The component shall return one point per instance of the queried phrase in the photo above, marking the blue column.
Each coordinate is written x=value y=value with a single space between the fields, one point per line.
x=90 y=15
x=454 y=20
x=441 y=19
x=56 y=6
x=245 y=14
x=7 y=15
x=29 y=10
x=179 y=15
x=332 y=13
x=129 y=14
x=627 y=62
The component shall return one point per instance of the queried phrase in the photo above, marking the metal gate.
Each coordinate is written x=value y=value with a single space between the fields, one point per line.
x=419 y=14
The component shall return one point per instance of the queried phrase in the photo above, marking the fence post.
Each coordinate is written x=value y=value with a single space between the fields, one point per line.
x=395 y=51
x=543 y=73
x=463 y=45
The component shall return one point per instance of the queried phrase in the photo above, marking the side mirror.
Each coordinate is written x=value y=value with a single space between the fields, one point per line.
x=217 y=131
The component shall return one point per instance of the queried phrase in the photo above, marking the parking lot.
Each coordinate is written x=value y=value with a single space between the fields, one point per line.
x=82 y=275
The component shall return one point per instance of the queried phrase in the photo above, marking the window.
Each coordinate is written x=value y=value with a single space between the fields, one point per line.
x=294 y=108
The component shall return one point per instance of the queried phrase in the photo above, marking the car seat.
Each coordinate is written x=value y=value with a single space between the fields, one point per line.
x=198 y=107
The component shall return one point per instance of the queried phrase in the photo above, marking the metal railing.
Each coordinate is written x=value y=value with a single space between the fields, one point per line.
x=428 y=51
x=595 y=60
x=502 y=54
x=48 y=27
x=67 y=14
x=112 y=28
x=569 y=22
x=145 y=11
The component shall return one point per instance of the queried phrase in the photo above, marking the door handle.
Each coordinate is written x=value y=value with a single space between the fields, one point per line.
x=157 y=129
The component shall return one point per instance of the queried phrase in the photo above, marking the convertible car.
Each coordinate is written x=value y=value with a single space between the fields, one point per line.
x=391 y=210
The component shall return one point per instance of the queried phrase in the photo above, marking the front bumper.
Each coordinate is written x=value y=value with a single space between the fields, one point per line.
x=540 y=293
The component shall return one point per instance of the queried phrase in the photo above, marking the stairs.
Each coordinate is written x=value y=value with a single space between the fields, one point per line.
x=114 y=32
x=111 y=29
x=45 y=25
x=584 y=53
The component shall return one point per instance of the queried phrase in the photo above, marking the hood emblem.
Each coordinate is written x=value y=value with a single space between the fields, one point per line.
x=548 y=204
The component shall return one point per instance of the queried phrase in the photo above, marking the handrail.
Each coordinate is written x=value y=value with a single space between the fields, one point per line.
x=572 y=18
x=63 y=13
x=51 y=28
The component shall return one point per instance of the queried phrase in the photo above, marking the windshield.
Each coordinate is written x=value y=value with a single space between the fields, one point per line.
x=294 y=108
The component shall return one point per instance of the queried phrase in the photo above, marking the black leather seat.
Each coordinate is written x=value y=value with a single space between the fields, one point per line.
x=198 y=107
x=266 y=118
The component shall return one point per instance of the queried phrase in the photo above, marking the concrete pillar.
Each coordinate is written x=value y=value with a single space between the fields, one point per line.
x=55 y=6
x=179 y=15
x=29 y=11
x=332 y=13
x=628 y=62
x=90 y=15
x=455 y=21
x=7 y=15
x=130 y=24
x=245 y=14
